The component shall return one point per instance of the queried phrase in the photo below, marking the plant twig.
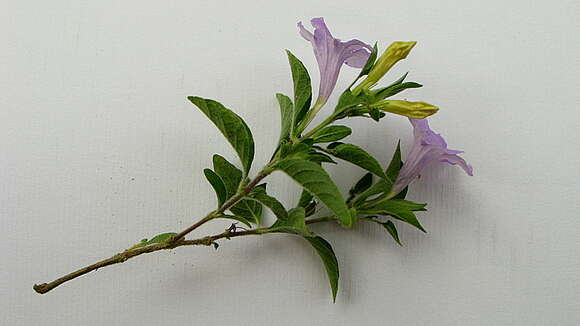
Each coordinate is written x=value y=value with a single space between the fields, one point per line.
x=172 y=244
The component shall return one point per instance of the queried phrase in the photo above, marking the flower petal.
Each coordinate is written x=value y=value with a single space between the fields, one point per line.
x=331 y=54
x=305 y=33
x=458 y=160
x=428 y=147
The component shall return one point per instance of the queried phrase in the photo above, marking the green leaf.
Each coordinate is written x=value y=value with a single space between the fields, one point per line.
x=395 y=89
x=376 y=114
x=402 y=194
x=259 y=194
x=347 y=99
x=302 y=88
x=249 y=209
x=390 y=227
x=286 y=116
x=229 y=174
x=362 y=184
x=381 y=186
x=331 y=133
x=324 y=250
x=232 y=127
x=295 y=223
x=307 y=201
x=370 y=62
x=218 y=186
x=160 y=238
x=314 y=179
x=235 y=218
x=318 y=157
x=305 y=198
x=395 y=164
x=398 y=81
x=296 y=150
x=357 y=156
x=399 y=209
x=384 y=185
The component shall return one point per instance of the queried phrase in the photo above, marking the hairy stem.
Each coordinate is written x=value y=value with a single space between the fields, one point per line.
x=128 y=254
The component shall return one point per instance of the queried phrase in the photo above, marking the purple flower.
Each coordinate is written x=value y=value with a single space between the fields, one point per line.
x=331 y=53
x=428 y=147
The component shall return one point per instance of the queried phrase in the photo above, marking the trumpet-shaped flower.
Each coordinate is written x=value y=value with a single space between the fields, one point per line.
x=416 y=110
x=330 y=54
x=428 y=147
x=396 y=52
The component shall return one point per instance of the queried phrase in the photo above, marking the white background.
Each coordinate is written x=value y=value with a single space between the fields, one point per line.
x=99 y=148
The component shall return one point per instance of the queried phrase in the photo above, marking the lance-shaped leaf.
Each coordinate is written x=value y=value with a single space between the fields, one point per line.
x=160 y=238
x=324 y=250
x=236 y=218
x=286 y=116
x=232 y=127
x=357 y=156
x=230 y=175
x=295 y=223
x=370 y=62
x=218 y=185
x=393 y=90
x=383 y=186
x=390 y=227
x=399 y=209
x=331 y=133
x=395 y=164
x=302 y=88
x=259 y=194
x=314 y=179
x=248 y=209
x=361 y=185
x=307 y=201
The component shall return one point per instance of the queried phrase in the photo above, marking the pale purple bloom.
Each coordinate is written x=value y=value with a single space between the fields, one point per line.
x=428 y=147
x=331 y=53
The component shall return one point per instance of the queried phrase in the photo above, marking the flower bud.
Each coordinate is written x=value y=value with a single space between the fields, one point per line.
x=394 y=53
x=415 y=110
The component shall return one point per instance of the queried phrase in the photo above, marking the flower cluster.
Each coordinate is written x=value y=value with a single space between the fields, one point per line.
x=331 y=53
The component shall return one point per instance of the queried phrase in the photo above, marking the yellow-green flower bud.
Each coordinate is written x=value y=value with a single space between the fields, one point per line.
x=415 y=110
x=396 y=52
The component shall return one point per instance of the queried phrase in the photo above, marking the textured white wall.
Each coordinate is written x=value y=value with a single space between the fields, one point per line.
x=99 y=148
